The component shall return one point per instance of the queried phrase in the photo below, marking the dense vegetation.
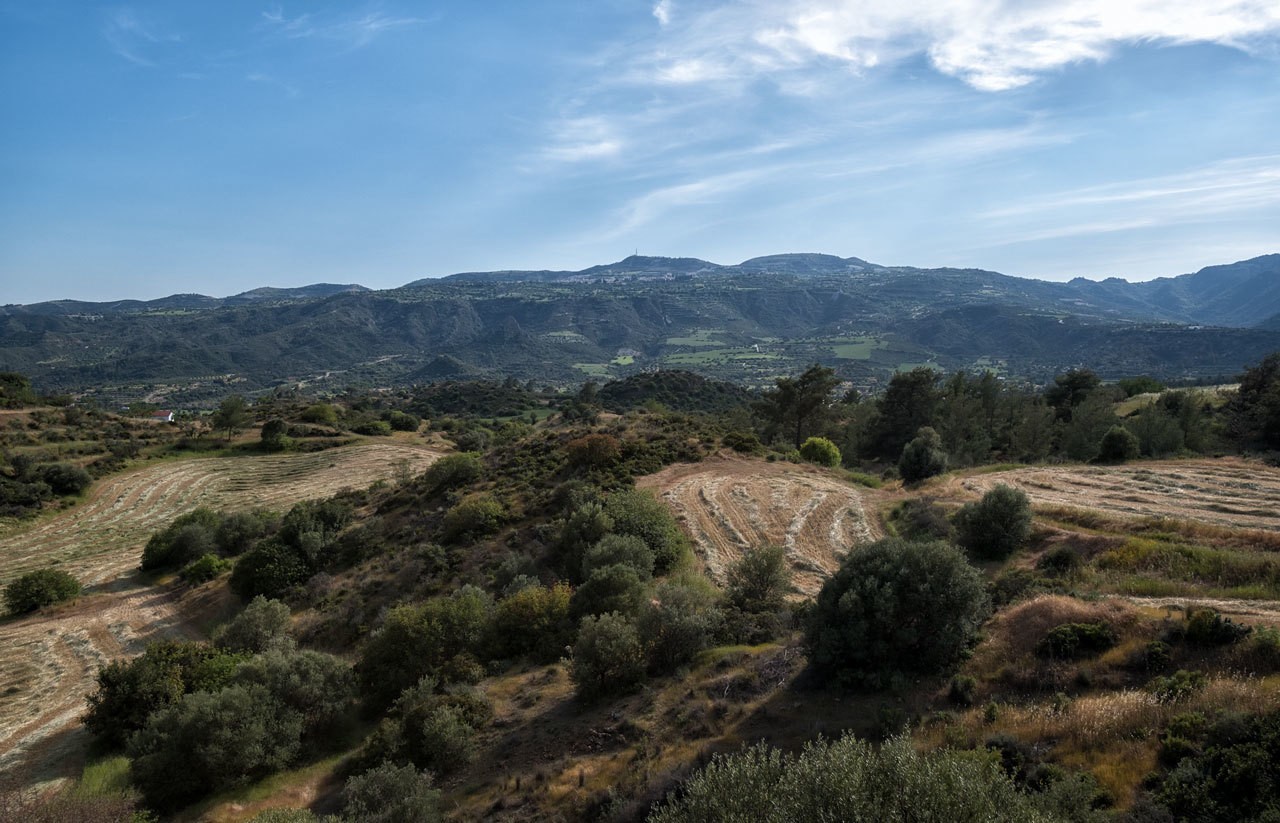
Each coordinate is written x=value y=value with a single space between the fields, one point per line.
x=523 y=595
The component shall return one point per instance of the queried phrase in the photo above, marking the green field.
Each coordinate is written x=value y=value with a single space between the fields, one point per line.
x=856 y=348
x=594 y=369
x=699 y=337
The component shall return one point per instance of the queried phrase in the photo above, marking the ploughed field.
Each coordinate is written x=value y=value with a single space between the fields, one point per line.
x=1230 y=491
x=729 y=504
x=48 y=661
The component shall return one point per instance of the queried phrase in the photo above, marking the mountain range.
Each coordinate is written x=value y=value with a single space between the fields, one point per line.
x=748 y=322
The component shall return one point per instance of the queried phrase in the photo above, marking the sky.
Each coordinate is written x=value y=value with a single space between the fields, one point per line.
x=153 y=148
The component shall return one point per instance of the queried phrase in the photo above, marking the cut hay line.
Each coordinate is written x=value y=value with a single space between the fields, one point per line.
x=730 y=505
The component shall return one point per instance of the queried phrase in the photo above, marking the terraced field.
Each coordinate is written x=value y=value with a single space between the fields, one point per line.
x=48 y=662
x=1228 y=491
x=729 y=504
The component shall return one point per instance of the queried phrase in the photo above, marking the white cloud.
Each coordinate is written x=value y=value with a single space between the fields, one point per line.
x=992 y=45
x=583 y=138
x=662 y=11
x=132 y=38
x=356 y=32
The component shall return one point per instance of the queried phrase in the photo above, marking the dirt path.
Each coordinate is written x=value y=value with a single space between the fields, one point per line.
x=48 y=661
x=729 y=504
x=1228 y=491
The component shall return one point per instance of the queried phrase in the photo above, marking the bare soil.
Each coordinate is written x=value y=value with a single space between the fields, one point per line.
x=730 y=504
x=49 y=660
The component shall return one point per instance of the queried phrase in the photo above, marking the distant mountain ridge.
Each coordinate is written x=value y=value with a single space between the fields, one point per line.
x=747 y=322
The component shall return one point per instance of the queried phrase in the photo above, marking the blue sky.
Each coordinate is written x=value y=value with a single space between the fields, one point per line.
x=160 y=147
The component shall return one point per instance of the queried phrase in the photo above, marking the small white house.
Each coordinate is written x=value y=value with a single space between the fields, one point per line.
x=163 y=416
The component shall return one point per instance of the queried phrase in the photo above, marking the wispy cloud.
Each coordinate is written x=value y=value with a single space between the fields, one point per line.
x=133 y=38
x=269 y=80
x=354 y=31
x=662 y=11
x=992 y=45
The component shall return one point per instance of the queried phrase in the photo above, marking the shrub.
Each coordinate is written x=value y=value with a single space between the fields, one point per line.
x=586 y=526
x=212 y=740
x=822 y=451
x=535 y=621
x=1072 y=640
x=274 y=435
x=403 y=421
x=204 y=569
x=1177 y=686
x=676 y=624
x=262 y=625
x=238 y=531
x=608 y=657
x=1118 y=445
x=962 y=690
x=319 y=687
x=473 y=517
x=997 y=525
x=429 y=729
x=130 y=691
x=391 y=794
x=921 y=519
x=372 y=428
x=1062 y=561
x=65 y=478
x=640 y=514
x=895 y=608
x=851 y=779
x=594 y=451
x=1209 y=628
x=452 y=472
x=759 y=581
x=185 y=539
x=269 y=570
x=438 y=638
x=321 y=413
x=745 y=442
x=1232 y=777
x=614 y=588
x=39 y=588
x=923 y=457
x=623 y=549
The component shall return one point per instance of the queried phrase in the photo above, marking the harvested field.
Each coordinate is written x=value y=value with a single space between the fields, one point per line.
x=730 y=504
x=1232 y=492
x=48 y=661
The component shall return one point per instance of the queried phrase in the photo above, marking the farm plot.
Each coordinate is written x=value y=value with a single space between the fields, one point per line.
x=728 y=505
x=48 y=662
x=1232 y=492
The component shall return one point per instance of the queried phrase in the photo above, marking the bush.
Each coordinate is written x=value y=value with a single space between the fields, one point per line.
x=822 y=451
x=1072 y=640
x=851 y=779
x=640 y=514
x=922 y=520
x=269 y=570
x=319 y=687
x=185 y=539
x=453 y=472
x=1231 y=777
x=1062 y=561
x=1118 y=445
x=594 y=451
x=391 y=794
x=321 y=413
x=997 y=525
x=130 y=691
x=210 y=741
x=429 y=729
x=65 y=478
x=608 y=657
x=535 y=621
x=274 y=435
x=438 y=638
x=1177 y=686
x=237 y=532
x=475 y=516
x=262 y=625
x=403 y=421
x=923 y=457
x=759 y=581
x=40 y=588
x=614 y=588
x=619 y=549
x=895 y=608
x=204 y=569
x=676 y=624
x=1209 y=628
x=586 y=526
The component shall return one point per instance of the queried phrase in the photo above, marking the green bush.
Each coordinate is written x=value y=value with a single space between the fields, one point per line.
x=269 y=570
x=203 y=569
x=1229 y=774
x=1118 y=445
x=851 y=779
x=997 y=525
x=608 y=657
x=403 y=421
x=640 y=514
x=185 y=539
x=439 y=638
x=274 y=435
x=321 y=413
x=585 y=527
x=261 y=625
x=452 y=472
x=391 y=794
x=129 y=691
x=473 y=517
x=1177 y=686
x=614 y=588
x=65 y=478
x=39 y=588
x=921 y=519
x=1209 y=628
x=923 y=457
x=822 y=451
x=677 y=623
x=1074 y=640
x=319 y=687
x=209 y=741
x=619 y=549
x=534 y=621
x=759 y=581
x=895 y=609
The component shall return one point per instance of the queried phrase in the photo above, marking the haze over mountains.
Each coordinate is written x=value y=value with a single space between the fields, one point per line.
x=747 y=322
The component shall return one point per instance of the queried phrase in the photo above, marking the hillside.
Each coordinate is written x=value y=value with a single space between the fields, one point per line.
x=747 y=324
